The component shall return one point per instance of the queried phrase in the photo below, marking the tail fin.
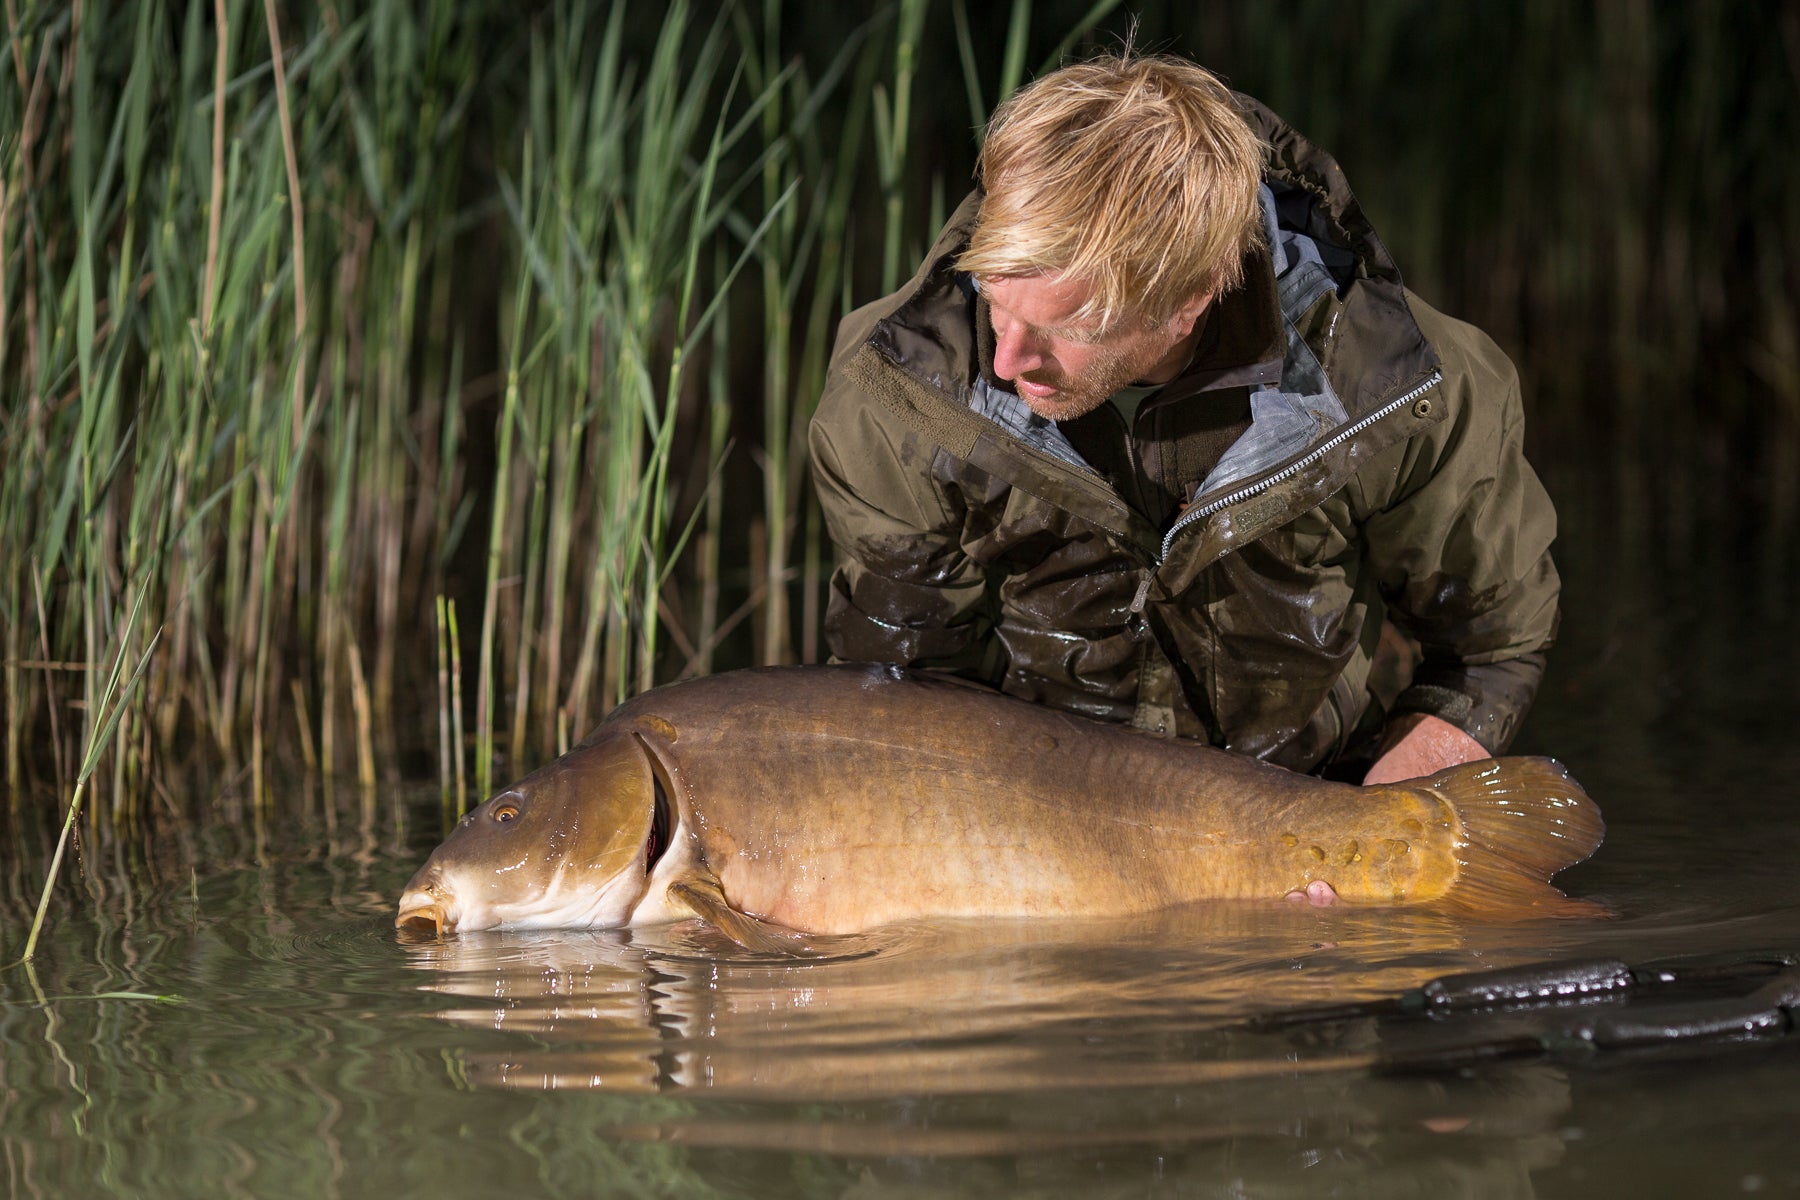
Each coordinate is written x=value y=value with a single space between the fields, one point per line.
x=1523 y=820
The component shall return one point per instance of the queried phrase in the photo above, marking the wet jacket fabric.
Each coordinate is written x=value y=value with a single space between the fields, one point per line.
x=1337 y=453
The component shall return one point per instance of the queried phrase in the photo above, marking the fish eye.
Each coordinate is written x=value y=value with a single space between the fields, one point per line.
x=504 y=813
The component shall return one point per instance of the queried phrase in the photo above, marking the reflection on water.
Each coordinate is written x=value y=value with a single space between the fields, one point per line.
x=989 y=1008
x=985 y=1041
x=315 y=1052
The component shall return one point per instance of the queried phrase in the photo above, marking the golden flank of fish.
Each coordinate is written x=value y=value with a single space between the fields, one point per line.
x=784 y=801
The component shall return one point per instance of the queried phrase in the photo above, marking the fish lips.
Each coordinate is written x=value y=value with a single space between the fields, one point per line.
x=428 y=905
x=421 y=913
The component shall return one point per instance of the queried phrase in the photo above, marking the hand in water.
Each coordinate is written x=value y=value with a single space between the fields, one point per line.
x=1417 y=745
x=1318 y=893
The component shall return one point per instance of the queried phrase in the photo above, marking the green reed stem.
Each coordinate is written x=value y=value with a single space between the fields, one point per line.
x=893 y=124
x=113 y=705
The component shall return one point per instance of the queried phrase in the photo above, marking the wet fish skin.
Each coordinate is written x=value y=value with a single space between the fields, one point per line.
x=837 y=799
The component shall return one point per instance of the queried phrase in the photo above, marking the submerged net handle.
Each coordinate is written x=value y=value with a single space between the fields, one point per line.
x=1584 y=1006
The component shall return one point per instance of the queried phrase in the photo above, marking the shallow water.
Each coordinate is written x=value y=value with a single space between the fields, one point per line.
x=315 y=1052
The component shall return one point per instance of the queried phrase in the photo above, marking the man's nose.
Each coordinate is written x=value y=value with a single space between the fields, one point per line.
x=1015 y=351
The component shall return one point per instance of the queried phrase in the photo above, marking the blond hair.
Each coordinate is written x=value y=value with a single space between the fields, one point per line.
x=1137 y=175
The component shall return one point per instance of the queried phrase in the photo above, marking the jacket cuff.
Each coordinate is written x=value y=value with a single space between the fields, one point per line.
x=1487 y=701
x=854 y=635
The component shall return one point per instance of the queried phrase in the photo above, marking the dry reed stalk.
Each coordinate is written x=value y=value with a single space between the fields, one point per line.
x=308 y=752
x=359 y=698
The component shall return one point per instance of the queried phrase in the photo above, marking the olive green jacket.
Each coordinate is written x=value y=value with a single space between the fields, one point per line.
x=1137 y=576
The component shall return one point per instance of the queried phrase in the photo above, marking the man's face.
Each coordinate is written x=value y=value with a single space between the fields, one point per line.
x=1064 y=367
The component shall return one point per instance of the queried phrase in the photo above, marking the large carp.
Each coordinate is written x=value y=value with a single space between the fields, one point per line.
x=835 y=799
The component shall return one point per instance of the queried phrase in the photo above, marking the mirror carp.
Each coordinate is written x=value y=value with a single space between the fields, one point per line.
x=782 y=801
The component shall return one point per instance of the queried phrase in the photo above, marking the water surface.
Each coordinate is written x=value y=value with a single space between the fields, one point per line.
x=315 y=1052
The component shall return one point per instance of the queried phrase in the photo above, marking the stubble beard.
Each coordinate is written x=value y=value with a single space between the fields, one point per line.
x=1086 y=390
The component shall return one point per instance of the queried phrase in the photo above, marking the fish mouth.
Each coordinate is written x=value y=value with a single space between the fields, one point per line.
x=422 y=914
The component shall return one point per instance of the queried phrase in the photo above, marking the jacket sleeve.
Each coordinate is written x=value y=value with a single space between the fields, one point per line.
x=1460 y=545
x=904 y=590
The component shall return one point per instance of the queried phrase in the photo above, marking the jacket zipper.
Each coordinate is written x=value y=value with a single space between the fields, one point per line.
x=1201 y=511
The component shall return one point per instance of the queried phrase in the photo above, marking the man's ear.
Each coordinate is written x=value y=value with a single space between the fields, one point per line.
x=1188 y=315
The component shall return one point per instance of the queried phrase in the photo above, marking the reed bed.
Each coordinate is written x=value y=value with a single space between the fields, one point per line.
x=391 y=389
x=324 y=321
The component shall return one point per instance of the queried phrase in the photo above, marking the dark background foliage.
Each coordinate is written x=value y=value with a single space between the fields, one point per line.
x=506 y=391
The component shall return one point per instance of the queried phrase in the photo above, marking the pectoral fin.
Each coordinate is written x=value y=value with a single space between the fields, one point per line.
x=706 y=899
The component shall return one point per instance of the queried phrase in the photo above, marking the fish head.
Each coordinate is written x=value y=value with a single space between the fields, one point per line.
x=570 y=846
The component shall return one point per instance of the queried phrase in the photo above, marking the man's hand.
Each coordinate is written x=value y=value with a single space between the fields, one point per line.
x=1418 y=744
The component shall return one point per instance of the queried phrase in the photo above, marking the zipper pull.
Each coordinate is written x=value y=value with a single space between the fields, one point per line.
x=1139 y=623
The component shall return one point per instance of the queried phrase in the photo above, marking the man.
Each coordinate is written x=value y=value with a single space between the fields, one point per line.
x=1157 y=435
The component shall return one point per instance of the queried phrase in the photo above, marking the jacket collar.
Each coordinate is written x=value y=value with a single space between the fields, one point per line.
x=1245 y=339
